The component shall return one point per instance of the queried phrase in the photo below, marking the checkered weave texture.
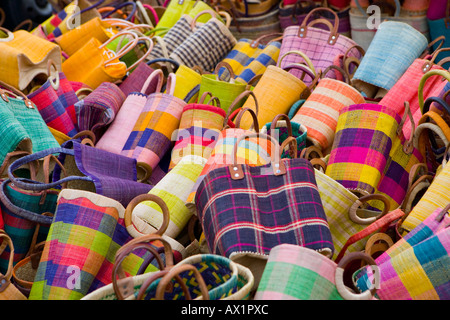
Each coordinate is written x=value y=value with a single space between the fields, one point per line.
x=247 y=61
x=315 y=46
x=297 y=273
x=86 y=232
x=57 y=106
x=35 y=127
x=99 y=109
x=320 y=112
x=364 y=137
x=416 y=266
x=179 y=32
x=173 y=189
x=26 y=56
x=393 y=49
x=200 y=126
x=151 y=136
x=118 y=132
x=22 y=211
x=206 y=47
x=406 y=89
x=436 y=196
x=135 y=80
x=260 y=211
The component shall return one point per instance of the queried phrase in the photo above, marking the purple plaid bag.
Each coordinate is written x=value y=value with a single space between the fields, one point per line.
x=87 y=168
x=247 y=210
x=321 y=46
x=98 y=109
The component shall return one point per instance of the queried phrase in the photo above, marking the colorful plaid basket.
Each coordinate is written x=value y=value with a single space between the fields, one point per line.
x=257 y=220
x=78 y=257
x=416 y=266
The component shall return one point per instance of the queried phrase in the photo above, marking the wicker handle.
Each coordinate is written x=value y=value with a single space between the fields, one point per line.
x=301 y=54
x=157 y=73
x=334 y=35
x=166 y=279
x=372 y=248
x=237 y=100
x=15 y=92
x=8 y=160
x=307 y=153
x=194 y=21
x=255 y=43
x=148 y=197
x=408 y=146
x=227 y=66
x=9 y=34
x=293 y=149
x=425 y=77
x=241 y=113
x=428 y=64
x=5 y=280
x=339 y=277
x=353 y=215
x=340 y=70
x=274 y=123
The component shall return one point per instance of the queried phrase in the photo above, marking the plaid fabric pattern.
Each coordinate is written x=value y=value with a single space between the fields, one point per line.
x=151 y=136
x=98 y=110
x=200 y=126
x=406 y=89
x=315 y=46
x=22 y=211
x=364 y=137
x=57 y=106
x=436 y=196
x=206 y=47
x=297 y=273
x=416 y=266
x=320 y=112
x=85 y=235
x=179 y=32
x=31 y=120
x=115 y=137
x=395 y=47
x=255 y=214
x=173 y=189
x=247 y=62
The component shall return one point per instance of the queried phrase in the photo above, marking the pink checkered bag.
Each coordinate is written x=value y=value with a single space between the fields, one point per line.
x=321 y=46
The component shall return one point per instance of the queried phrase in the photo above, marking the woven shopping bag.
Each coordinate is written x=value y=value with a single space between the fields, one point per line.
x=294 y=272
x=94 y=63
x=24 y=56
x=23 y=126
x=87 y=168
x=206 y=46
x=91 y=227
x=8 y=291
x=320 y=112
x=393 y=49
x=321 y=46
x=117 y=133
x=55 y=100
x=200 y=126
x=410 y=85
x=282 y=129
x=363 y=31
x=226 y=91
x=98 y=110
x=416 y=266
x=187 y=85
x=134 y=81
x=276 y=91
x=248 y=230
x=250 y=58
x=151 y=136
x=183 y=175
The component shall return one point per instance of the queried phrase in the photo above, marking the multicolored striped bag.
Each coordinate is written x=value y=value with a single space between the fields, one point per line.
x=370 y=154
x=90 y=227
x=120 y=129
x=320 y=112
x=249 y=229
x=200 y=126
x=250 y=58
x=416 y=266
x=98 y=110
x=294 y=272
x=151 y=136
x=55 y=100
